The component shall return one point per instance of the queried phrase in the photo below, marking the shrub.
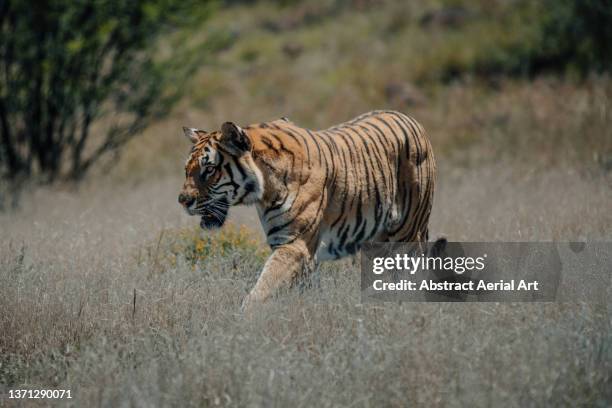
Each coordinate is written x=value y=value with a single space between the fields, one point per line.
x=526 y=39
x=196 y=247
x=65 y=64
x=577 y=34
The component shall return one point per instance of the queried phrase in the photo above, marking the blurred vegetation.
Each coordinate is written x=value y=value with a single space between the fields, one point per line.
x=562 y=36
x=79 y=79
x=579 y=34
x=66 y=64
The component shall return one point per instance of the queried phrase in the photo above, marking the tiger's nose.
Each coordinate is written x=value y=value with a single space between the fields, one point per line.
x=186 y=199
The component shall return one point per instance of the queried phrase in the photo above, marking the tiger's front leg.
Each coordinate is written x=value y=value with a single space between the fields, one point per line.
x=287 y=265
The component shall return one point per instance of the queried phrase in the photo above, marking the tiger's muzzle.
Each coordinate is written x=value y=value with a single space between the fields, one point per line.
x=213 y=213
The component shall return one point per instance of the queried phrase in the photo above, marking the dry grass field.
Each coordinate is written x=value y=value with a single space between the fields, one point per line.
x=74 y=263
x=108 y=289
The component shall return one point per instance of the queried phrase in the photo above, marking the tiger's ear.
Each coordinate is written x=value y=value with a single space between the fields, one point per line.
x=234 y=138
x=191 y=133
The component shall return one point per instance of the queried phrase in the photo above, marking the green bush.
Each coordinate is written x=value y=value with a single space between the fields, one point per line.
x=567 y=35
x=526 y=38
x=577 y=34
x=194 y=246
x=65 y=64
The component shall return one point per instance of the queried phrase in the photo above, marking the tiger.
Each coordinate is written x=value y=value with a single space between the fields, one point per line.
x=319 y=194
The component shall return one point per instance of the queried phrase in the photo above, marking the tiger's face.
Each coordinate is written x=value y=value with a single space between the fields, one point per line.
x=219 y=172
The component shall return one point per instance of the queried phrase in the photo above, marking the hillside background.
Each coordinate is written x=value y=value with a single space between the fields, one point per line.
x=109 y=289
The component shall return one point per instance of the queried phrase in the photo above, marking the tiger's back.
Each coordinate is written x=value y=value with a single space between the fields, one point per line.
x=369 y=179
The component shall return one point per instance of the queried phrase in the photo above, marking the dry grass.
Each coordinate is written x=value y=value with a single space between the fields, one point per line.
x=73 y=263
x=110 y=292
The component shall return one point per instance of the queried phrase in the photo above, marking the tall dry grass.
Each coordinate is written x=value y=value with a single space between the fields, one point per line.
x=91 y=302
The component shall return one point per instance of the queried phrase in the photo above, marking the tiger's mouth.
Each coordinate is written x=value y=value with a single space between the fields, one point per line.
x=214 y=214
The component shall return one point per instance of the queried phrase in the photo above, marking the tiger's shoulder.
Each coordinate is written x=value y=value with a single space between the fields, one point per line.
x=276 y=135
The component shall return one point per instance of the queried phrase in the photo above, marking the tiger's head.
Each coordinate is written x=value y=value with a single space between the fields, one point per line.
x=219 y=172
